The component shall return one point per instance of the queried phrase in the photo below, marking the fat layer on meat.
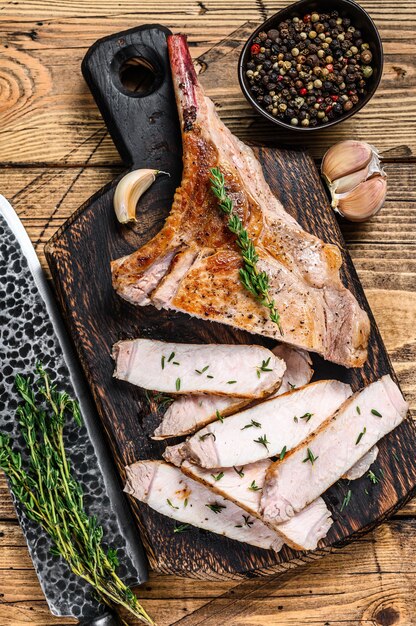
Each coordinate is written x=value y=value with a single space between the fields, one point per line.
x=191 y=412
x=340 y=441
x=179 y=368
x=265 y=429
x=167 y=490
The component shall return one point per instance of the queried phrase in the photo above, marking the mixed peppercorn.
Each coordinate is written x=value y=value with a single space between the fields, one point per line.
x=308 y=71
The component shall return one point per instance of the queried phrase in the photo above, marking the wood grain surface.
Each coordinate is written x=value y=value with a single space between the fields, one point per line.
x=55 y=153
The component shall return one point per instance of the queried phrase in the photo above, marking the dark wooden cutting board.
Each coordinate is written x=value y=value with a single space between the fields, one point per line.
x=145 y=130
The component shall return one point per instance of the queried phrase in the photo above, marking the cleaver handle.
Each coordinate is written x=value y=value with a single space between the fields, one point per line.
x=108 y=619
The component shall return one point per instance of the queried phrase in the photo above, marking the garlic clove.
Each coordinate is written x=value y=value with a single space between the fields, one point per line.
x=364 y=201
x=128 y=192
x=346 y=157
x=347 y=183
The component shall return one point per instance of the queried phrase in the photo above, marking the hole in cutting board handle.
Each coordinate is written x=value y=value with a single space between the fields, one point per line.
x=137 y=71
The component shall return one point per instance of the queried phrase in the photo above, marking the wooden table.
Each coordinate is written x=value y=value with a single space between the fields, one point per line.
x=55 y=152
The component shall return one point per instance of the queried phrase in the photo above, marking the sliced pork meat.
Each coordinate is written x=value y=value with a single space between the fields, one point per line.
x=267 y=429
x=179 y=368
x=294 y=482
x=243 y=485
x=192 y=265
x=298 y=367
x=189 y=413
x=362 y=466
x=167 y=490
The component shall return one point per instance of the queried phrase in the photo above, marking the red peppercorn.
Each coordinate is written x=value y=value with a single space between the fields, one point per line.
x=319 y=100
x=330 y=67
x=328 y=108
x=306 y=18
x=334 y=98
x=303 y=91
x=255 y=48
x=279 y=78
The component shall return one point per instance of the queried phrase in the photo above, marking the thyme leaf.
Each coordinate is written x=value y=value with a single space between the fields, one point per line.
x=181 y=528
x=264 y=367
x=374 y=479
x=247 y=522
x=310 y=457
x=283 y=453
x=170 y=504
x=254 y=487
x=216 y=507
x=374 y=412
x=252 y=423
x=219 y=416
x=263 y=441
x=218 y=476
x=346 y=500
x=361 y=435
x=239 y=471
x=203 y=437
x=178 y=384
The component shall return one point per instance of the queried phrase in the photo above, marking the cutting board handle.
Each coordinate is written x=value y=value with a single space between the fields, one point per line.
x=129 y=76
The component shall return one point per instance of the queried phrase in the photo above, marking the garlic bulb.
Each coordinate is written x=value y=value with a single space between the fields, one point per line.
x=129 y=190
x=355 y=178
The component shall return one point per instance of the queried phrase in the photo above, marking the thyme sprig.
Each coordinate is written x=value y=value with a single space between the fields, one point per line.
x=255 y=281
x=52 y=496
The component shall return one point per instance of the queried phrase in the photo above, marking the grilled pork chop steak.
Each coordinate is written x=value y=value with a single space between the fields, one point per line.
x=190 y=412
x=338 y=443
x=168 y=491
x=192 y=264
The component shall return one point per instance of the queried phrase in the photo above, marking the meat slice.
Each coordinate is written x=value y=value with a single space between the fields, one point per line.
x=189 y=413
x=178 y=368
x=294 y=482
x=267 y=429
x=362 y=466
x=167 y=490
x=243 y=485
x=192 y=264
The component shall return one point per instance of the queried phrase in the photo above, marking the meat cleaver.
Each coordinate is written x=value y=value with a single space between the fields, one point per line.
x=31 y=330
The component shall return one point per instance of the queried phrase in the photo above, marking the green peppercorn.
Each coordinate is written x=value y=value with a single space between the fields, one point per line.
x=295 y=52
x=347 y=106
x=321 y=114
x=354 y=49
x=294 y=121
x=321 y=53
x=305 y=122
x=312 y=34
x=367 y=71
